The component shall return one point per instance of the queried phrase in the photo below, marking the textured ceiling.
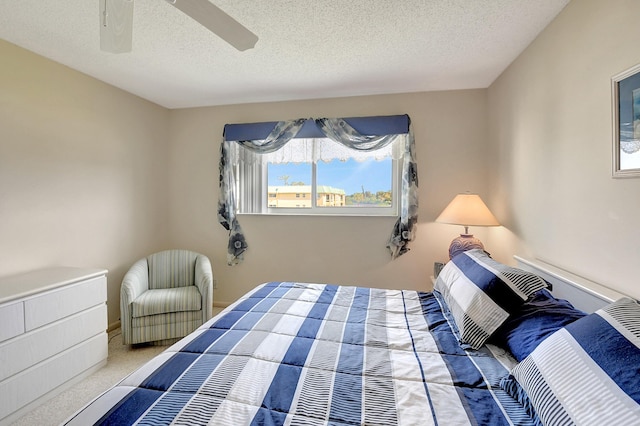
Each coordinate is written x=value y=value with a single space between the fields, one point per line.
x=307 y=49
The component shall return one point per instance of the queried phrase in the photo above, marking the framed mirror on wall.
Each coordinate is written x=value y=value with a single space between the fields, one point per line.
x=625 y=89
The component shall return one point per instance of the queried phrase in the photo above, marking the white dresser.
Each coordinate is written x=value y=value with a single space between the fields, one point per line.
x=53 y=332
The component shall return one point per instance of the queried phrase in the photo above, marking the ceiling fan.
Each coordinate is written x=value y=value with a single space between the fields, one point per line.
x=116 y=24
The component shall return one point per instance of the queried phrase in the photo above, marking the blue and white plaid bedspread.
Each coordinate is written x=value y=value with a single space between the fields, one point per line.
x=315 y=354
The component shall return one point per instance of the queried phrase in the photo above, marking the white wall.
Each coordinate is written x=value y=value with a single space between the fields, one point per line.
x=450 y=131
x=551 y=134
x=82 y=171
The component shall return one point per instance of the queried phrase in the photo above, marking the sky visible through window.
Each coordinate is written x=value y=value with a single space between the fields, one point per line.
x=350 y=175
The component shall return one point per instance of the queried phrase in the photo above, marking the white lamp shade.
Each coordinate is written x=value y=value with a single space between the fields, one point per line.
x=467 y=210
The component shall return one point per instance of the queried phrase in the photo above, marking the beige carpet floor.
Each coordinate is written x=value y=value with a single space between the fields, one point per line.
x=121 y=361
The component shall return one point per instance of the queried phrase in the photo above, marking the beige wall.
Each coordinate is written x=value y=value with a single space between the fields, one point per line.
x=450 y=131
x=82 y=171
x=92 y=176
x=551 y=127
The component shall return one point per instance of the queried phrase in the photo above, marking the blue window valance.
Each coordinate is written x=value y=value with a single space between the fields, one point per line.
x=358 y=133
x=372 y=126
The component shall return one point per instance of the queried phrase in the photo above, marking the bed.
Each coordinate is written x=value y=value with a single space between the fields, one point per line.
x=320 y=354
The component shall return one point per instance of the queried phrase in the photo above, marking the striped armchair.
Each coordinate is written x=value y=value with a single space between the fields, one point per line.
x=165 y=296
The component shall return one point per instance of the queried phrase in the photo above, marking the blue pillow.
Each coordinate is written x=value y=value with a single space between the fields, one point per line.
x=531 y=323
x=585 y=373
x=481 y=293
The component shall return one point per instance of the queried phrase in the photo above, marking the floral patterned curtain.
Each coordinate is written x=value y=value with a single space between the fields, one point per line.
x=341 y=132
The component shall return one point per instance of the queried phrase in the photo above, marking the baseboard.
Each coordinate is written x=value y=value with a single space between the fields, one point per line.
x=113 y=326
x=220 y=304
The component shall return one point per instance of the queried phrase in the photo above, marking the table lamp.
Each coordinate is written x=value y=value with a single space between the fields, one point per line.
x=466 y=210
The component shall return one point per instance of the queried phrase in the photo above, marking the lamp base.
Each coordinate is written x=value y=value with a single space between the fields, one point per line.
x=463 y=243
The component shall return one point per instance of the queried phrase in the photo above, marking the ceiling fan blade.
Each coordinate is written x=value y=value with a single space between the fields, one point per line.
x=217 y=21
x=116 y=25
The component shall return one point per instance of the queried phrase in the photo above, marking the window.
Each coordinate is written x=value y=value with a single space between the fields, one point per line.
x=249 y=150
x=318 y=176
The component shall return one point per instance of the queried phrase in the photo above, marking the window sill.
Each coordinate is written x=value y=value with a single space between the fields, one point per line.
x=318 y=215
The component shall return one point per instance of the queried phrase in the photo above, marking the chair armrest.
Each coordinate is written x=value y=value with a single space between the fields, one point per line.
x=135 y=282
x=204 y=282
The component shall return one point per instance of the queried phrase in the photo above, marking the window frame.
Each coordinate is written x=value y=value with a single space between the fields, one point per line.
x=315 y=210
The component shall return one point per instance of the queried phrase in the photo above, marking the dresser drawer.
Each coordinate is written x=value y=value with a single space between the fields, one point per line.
x=30 y=384
x=11 y=320
x=46 y=342
x=53 y=325
x=60 y=303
